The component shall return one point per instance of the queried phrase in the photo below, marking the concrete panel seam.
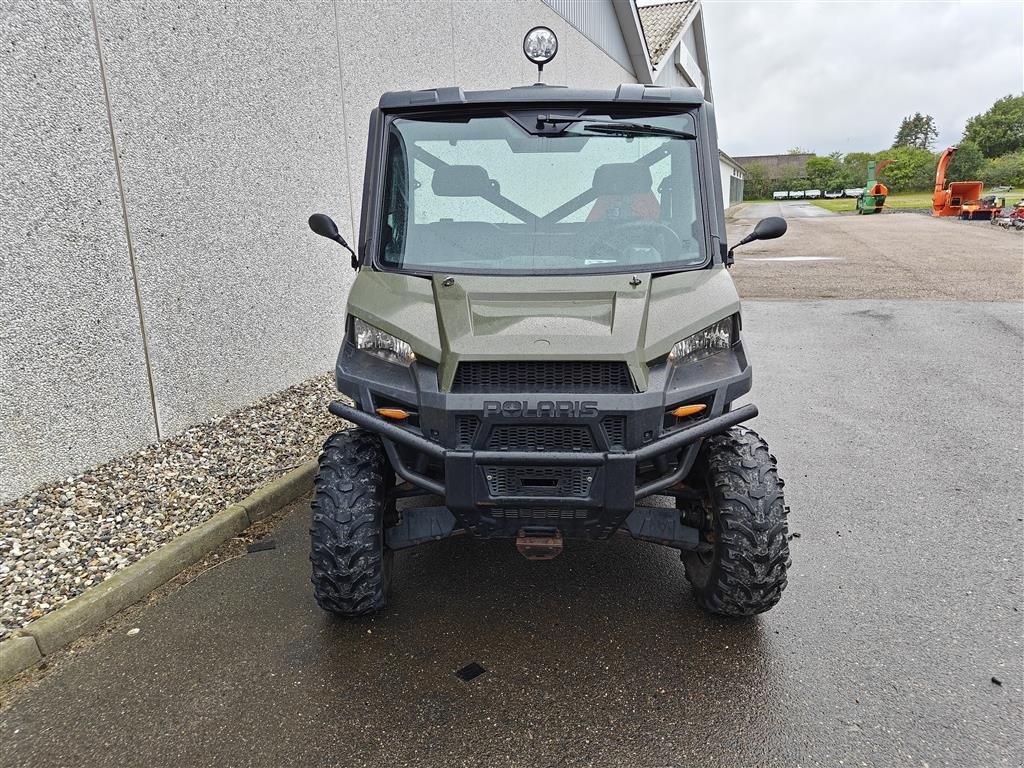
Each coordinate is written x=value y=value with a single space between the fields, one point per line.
x=451 y=27
x=124 y=214
x=353 y=235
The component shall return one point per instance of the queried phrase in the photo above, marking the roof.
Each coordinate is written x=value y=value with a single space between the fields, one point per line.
x=629 y=94
x=662 y=24
x=775 y=165
x=731 y=161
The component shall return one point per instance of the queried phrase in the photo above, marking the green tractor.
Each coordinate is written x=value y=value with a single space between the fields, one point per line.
x=872 y=199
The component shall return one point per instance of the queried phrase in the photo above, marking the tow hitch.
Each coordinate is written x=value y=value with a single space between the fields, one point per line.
x=539 y=543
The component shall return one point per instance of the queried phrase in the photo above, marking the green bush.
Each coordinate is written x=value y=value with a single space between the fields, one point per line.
x=966 y=163
x=999 y=131
x=912 y=170
x=825 y=173
x=1007 y=170
x=757 y=185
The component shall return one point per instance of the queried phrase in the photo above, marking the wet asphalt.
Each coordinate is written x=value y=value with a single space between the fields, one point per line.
x=897 y=426
x=788 y=210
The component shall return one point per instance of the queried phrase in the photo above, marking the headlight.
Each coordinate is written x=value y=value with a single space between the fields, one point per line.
x=716 y=338
x=383 y=345
x=540 y=45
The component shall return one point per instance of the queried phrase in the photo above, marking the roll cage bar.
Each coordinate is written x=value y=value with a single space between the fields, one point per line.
x=497 y=199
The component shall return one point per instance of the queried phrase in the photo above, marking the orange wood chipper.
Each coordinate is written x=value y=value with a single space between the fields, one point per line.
x=960 y=198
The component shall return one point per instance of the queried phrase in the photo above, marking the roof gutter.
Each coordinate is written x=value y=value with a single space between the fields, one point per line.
x=636 y=44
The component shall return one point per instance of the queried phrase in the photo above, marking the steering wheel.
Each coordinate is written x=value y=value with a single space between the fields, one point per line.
x=655 y=234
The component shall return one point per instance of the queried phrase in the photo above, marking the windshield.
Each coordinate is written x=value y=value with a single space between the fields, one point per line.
x=542 y=193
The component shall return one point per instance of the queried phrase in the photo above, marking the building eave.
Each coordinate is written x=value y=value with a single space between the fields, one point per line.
x=672 y=51
x=633 y=35
x=730 y=161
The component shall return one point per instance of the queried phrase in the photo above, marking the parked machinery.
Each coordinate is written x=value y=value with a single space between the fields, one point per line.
x=961 y=198
x=872 y=199
x=1014 y=219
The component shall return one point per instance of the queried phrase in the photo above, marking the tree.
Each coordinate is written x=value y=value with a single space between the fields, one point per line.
x=1007 y=170
x=788 y=178
x=1000 y=130
x=855 y=168
x=912 y=170
x=905 y=133
x=966 y=163
x=756 y=184
x=824 y=173
x=916 y=130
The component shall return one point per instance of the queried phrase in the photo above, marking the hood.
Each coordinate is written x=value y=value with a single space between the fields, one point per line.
x=632 y=318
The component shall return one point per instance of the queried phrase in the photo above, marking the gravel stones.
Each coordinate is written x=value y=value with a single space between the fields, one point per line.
x=66 y=536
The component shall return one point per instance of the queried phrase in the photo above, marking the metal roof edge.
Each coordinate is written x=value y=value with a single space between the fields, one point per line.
x=730 y=160
x=627 y=93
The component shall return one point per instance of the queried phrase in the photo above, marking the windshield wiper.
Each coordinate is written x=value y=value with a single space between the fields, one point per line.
x=637 y=129
x=566 y=120
x=612 y=128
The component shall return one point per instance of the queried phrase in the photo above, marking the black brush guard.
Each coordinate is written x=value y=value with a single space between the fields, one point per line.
x=613 y=492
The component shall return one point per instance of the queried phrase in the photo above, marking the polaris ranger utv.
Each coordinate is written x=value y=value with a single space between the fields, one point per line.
x=542 y=335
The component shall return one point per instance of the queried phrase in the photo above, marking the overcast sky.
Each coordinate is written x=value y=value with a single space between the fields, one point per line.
x=828 y=76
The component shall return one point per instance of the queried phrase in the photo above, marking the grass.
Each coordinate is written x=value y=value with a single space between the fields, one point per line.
x=900 y=201
x=904 y=201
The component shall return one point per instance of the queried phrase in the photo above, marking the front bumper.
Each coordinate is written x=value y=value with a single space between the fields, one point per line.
x=493 y=489
x=463 y=469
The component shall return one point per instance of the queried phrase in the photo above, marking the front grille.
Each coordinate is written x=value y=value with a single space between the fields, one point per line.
x=537 y=437
x=539 y=481
x=582 y=376
x=466 y=428
x=539 y=513
x=615 y=431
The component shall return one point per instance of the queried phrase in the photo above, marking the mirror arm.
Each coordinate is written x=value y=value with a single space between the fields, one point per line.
x=729 y=258
x=355 y=259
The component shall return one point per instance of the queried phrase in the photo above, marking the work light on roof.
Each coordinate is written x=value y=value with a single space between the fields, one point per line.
x=540 y=46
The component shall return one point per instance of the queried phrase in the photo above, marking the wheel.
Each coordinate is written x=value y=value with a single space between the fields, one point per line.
x=351 y=566
x=741 y=570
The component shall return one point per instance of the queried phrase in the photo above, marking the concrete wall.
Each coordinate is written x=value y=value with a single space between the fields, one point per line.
x=159 y=161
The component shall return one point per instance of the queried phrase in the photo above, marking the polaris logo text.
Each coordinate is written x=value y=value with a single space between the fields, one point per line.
x=542 y=409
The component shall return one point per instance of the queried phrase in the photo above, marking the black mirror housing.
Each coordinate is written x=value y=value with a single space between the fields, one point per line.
x=324 y=226
x=766 y=229
x=769 y=228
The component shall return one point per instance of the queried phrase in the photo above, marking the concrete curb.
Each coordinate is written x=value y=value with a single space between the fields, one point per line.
x=733 y=212
x=18 y=653
x=94 y=606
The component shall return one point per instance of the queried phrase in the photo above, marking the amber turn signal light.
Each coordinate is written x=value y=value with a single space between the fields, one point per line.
x=688 y=410
x=393 y=413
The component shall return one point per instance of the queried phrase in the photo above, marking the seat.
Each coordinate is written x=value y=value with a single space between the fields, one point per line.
x=623 y=193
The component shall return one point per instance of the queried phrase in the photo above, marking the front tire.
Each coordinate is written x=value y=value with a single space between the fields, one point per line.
x=351 y=566
x=741 y=569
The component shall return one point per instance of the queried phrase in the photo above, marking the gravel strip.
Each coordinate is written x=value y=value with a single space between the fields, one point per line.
x=66 y=536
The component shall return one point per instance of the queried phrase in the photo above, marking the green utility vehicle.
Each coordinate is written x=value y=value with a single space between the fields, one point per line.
x=543 y=344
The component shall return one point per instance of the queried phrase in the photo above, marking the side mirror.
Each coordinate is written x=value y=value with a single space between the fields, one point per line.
x=324 y=226
x=766 y=229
